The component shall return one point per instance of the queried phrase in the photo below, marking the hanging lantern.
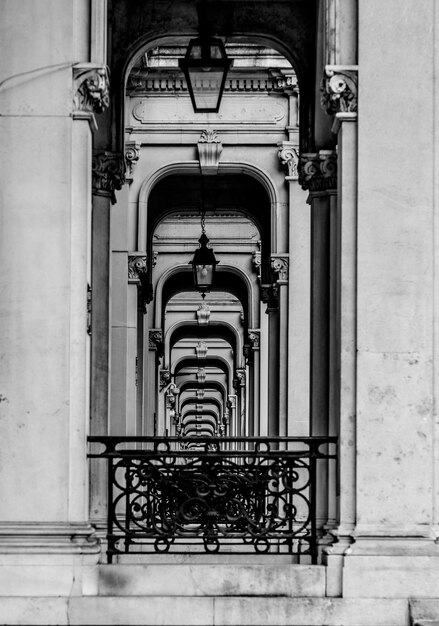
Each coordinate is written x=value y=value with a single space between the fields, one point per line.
x=203 y=266
x=205 y=67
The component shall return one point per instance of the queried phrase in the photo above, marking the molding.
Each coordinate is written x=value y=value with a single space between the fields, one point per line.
x=339 y=89
x=108 y=172
x=209 y=152
x=91 y=88
x=288 y=153
x=280 y=266
x=318 y=170
x=168 y=82
x=48 y=538
x=137 y=267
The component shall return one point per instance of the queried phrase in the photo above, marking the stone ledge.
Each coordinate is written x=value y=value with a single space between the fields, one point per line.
x=203 y=611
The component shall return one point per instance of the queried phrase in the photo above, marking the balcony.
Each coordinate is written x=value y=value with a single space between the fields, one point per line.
x=211 y=494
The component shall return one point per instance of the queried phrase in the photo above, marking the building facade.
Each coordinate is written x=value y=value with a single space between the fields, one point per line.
x=314 y=351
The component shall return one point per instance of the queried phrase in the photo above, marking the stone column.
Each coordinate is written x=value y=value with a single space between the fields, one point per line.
x=318 y=174
x=340 y=99
x=108 y=176
x=270 y=295
x=280 y=265
x=45 y=156
x=255 y=391
x=299 y=296
x=155 y=345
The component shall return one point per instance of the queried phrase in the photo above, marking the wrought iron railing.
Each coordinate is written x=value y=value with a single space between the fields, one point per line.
x=211 y=494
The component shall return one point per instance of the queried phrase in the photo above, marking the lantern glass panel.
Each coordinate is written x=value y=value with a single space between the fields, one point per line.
x=203 y=275
x=206 y=87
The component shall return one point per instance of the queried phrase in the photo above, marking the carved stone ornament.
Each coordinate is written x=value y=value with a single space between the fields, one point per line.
x=90 y=88
x=280 y=265
x=201 y=375
x=239 y=380
x=132 y=155
x=137 y=267
x=165 y=377
x=203 y=314
x=201 y=350
x=339 y=89
x=289 y=155
x=155 y=338
x=209 y=152
x=318 y=170
x=108 y=170
x=255 y=338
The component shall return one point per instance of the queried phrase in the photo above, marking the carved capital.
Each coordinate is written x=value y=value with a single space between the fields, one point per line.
x=132 y=155
x=108 y=169
x=289 y=155
x=339 y=89
x=270 y=296
x=239 y=380
x=165 y=377
x=137 y=267
x=280 y=265
x=209 y=151
x=155 y=339
x=254 y=338
x=318 y=170
x=90 y=88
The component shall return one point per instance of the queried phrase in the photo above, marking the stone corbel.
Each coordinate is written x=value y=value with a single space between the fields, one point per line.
x=280 y=266
x=339 y=89
x=201 y=350
x=318 y=170
x=108 y=171
x=203 y=314
x=132 y=155
x=209 y=152
x=289 y=155
x=201 y=375
x=91 y=91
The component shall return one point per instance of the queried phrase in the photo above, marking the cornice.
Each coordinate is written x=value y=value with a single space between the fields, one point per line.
x=172 y=82
x=318 y=170
x=339 y=89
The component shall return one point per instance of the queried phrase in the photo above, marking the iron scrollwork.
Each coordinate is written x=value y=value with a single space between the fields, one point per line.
x=257 y=495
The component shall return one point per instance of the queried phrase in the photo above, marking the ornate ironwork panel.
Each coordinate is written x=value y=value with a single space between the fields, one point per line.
x=212 y=494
